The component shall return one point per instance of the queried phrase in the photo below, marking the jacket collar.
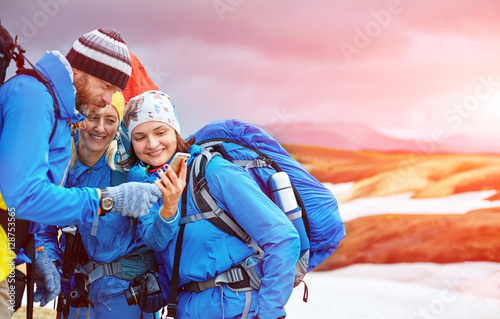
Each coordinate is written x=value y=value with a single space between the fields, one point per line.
x=54 y=66
x=79 y=168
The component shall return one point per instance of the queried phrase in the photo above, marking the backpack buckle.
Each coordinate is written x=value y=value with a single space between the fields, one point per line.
x=200 y=185
x=109 y=270
x=172 y=310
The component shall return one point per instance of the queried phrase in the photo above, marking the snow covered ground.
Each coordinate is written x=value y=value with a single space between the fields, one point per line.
x=404 y=204
x=408 y=290
x=396 y=291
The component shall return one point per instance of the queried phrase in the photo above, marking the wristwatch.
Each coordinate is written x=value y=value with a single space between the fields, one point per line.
x=107 y=202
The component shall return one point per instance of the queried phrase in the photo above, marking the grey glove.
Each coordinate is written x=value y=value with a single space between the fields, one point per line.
x=134 y=199
x=47 y=279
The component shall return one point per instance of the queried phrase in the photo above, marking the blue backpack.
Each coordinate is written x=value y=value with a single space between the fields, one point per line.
x=317 y=218
x=251 y=147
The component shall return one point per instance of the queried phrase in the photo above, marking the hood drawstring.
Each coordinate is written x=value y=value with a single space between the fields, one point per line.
x=72 y=128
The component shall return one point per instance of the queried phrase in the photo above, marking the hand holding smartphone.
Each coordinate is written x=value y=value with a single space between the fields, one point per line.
x=175 y=164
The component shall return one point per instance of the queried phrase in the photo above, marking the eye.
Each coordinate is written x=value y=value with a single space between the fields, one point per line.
x=107 y=86
x=162 y=132
x=138 y=138
x=111 y=121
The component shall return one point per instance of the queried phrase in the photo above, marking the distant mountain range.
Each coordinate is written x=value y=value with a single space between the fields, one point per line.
x=356 y=136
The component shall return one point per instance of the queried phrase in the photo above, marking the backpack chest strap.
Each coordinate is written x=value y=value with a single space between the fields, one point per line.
x=242 y=277
x=200 y=216
x=95 y=270
x=127 y=267
x=256 y=163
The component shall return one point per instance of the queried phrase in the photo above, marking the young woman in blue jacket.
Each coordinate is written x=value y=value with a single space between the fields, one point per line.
x=207 y=252
x=116 y=236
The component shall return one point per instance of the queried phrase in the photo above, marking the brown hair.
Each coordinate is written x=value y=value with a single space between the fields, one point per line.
x=132 y=160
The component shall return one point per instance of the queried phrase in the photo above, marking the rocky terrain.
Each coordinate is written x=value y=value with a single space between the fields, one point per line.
x=397 y=238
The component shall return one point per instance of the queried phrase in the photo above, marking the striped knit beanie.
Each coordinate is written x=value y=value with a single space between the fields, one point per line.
x=103 y=54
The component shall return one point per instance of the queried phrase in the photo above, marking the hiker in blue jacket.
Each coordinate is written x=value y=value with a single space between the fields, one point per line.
x=116 y=236
x=207 y=252
x=35 y=143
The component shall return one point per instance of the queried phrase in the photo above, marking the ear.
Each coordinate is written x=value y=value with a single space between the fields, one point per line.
x=76 y=74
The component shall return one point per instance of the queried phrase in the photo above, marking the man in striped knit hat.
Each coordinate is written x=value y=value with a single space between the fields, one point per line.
x=35 y=151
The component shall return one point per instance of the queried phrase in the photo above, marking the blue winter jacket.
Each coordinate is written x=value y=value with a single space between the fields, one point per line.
x=116 y=235
x=208 y=251
x=32 y=170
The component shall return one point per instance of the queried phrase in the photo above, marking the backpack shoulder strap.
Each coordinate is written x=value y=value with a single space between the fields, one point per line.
x=7 y=46
x=118 y=177
x=123 y=145
x=174 y=283
x=208 y=207
x=39 y=76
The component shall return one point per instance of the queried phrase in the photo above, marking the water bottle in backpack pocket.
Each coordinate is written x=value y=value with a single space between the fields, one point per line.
x=282 y=194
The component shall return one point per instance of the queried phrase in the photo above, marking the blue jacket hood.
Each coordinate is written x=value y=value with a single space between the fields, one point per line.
x=54 y=69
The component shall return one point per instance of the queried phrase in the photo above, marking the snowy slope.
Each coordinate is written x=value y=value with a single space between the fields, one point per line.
x=404 y=204
x=395 y=291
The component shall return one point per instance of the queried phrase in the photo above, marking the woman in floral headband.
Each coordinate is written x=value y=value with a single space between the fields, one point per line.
x=207 y=251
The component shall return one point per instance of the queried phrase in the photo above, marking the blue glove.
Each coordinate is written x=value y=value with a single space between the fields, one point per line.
x=47 y=279
x=134 y=199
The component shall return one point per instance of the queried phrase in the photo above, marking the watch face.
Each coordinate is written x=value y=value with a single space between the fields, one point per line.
x=107 y=203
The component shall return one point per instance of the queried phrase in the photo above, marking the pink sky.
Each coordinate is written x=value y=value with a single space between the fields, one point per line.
x=414 y=67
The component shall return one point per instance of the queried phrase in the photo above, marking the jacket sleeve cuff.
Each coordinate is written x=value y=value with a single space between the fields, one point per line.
x=171 y=219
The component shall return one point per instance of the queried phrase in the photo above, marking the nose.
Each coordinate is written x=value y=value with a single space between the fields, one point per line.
x=152 y=143
x=107 y=97
x=99 y=126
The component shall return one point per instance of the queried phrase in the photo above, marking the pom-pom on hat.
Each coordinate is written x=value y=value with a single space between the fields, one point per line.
x=103 y=54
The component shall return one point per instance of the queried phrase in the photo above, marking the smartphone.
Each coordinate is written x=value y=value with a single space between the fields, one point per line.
x=175 y=164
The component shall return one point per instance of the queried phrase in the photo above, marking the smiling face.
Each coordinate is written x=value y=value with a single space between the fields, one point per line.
x=154 y=142
x=97 y=132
